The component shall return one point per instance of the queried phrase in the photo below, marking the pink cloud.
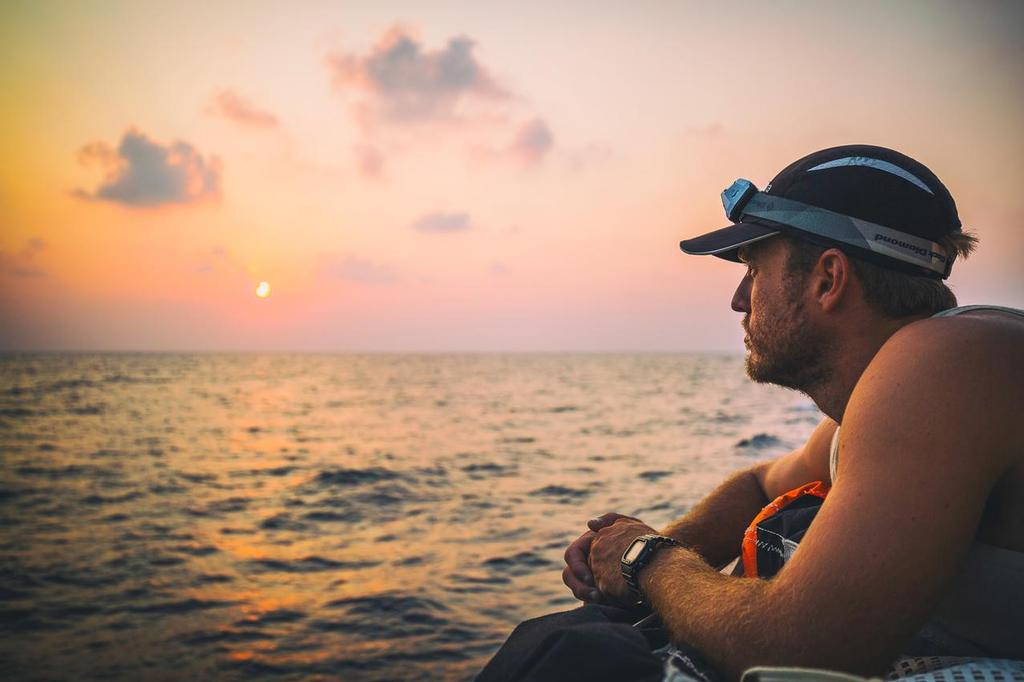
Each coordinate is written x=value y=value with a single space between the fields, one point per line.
x=143 y=173
x=401 y=90
x=532 y=142
x=369 y=160
x=356 y=269
x=234 y=107
x=404 y=82
x=23 y=263
x=442 y=221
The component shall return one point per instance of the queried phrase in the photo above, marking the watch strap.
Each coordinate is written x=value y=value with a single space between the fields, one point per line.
x=631 y=570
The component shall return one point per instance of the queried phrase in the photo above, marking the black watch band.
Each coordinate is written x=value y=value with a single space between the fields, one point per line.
x=639 y=554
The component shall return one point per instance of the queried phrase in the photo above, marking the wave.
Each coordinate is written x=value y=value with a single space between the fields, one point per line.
x=352 y=477
x=308 y=564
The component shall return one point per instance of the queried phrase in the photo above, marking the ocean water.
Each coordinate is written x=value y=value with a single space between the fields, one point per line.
x=335 y=517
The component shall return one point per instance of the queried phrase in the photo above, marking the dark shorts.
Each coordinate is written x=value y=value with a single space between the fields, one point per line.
x=592 y=643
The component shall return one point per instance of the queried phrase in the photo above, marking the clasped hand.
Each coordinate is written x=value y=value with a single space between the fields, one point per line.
x=593 y=560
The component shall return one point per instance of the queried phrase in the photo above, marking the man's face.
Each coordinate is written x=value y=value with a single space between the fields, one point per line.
x=783 y=345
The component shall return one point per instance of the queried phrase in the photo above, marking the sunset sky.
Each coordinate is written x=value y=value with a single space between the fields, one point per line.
x=459 y=176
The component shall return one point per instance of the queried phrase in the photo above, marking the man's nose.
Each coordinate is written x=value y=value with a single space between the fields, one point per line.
x=741 y=299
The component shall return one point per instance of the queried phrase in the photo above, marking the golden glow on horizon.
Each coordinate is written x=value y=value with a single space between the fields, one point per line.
x=535 y=202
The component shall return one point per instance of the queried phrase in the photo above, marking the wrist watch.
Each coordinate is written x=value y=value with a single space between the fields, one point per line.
x=639 y=554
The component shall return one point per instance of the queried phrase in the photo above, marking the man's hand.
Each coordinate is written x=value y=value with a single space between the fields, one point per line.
x=576 y=574
x=606 y=557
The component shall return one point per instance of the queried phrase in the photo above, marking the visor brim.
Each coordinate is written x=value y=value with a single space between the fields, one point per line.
x=725 y=242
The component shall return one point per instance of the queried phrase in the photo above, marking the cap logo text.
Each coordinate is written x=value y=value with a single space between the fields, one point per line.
x=921 y=251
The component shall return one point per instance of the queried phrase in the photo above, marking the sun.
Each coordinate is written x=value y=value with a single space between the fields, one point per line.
x=263 y=289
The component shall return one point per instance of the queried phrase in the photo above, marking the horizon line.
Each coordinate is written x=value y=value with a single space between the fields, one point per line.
x=114 y=351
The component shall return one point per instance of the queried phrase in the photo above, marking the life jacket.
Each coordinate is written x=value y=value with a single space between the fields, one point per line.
x=774 y=534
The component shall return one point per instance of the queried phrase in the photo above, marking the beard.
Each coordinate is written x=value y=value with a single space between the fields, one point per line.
x=785 y=349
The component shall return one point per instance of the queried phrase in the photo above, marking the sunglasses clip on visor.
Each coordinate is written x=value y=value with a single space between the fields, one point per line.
x=743 y=200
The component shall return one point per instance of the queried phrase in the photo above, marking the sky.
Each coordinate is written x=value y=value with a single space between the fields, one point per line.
x=459 y=176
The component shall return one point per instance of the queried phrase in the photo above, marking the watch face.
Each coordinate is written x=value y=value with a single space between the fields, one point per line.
x=634 y=551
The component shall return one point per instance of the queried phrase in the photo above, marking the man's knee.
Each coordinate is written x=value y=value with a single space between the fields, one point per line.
x=592 y=642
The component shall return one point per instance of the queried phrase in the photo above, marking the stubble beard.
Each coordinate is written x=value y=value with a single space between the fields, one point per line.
x=786 y=350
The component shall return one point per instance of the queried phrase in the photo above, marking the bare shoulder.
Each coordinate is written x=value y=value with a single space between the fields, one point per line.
x=957 y=377
x=986 y=337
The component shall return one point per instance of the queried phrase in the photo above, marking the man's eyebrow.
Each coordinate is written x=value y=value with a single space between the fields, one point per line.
x=742 y=254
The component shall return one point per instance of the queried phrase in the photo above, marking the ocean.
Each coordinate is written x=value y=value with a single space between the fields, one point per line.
x=335 y=517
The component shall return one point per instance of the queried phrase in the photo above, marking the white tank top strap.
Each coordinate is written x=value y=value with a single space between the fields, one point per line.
x=833 y=456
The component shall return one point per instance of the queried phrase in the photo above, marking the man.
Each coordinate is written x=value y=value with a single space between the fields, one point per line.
x=918 y=544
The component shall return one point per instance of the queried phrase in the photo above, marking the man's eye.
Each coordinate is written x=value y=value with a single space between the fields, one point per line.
x=750 y=272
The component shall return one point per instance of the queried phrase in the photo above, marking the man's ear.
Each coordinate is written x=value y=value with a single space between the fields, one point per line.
x=831 y=279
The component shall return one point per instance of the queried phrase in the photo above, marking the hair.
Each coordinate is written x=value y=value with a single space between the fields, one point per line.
x=891 y=293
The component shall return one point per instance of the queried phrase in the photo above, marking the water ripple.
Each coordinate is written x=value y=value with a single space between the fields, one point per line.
x=348 y=517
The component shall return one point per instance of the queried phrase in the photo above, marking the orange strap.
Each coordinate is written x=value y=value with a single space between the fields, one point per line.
x=749 y=550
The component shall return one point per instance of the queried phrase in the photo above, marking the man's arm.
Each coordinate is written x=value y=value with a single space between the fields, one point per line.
x=714 y=528
x=925 y=436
